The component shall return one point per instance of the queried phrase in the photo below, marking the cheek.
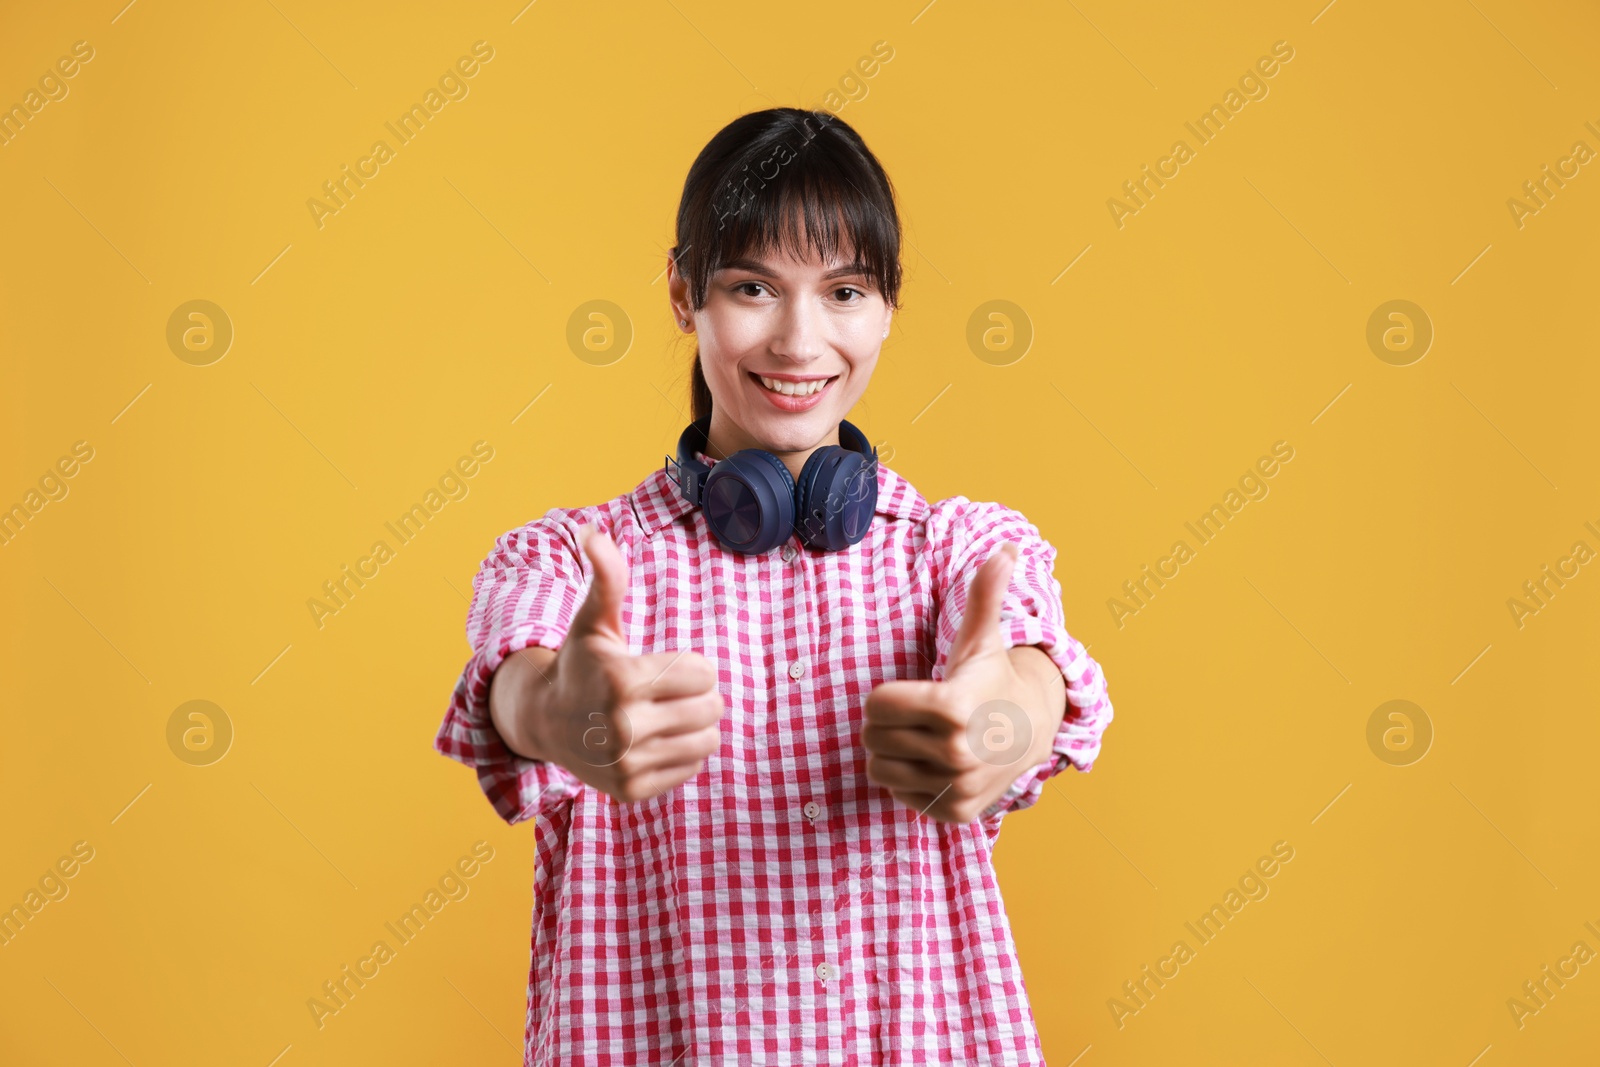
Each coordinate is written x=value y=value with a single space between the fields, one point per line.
x=730 y=382
x=856 y=383
x=725 y=342
x=863 y=338
x=722 y=370
x=734 y=334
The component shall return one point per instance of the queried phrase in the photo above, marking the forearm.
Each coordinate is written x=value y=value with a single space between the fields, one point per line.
x=517 y=701
x=1049 y=704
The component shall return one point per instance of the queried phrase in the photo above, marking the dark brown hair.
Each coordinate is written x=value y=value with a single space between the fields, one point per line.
x=760 y=175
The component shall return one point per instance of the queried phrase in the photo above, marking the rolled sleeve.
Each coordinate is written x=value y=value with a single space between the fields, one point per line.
x=1031 y=614
x=524 y=595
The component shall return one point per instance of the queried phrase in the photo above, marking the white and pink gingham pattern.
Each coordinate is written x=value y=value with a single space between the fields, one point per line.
x=720 y=923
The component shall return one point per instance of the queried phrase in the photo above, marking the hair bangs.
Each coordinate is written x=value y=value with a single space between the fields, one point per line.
x=803 y=184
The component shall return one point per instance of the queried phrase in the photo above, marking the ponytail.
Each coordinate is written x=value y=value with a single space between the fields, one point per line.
x=699 y=392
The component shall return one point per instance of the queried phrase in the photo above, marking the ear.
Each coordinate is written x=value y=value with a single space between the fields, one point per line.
x=677 y=291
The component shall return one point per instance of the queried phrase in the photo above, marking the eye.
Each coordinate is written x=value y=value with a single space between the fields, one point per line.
x=851 y=289
x=740 y=287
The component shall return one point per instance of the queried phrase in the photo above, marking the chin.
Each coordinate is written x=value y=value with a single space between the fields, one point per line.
x=792 y=432
x=792 y=436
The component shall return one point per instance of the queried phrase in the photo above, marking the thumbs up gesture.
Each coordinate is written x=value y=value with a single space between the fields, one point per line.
x=951 y=748
x=633 y=727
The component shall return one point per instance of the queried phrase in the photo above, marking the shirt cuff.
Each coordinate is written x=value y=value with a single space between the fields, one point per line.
x=1088 y=712
x=518 y=788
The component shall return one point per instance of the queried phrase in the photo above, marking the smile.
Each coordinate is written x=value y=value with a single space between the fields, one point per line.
x=793 y=396
x=794 y=388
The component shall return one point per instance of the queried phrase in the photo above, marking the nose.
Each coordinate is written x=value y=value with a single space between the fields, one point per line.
x=800 y=332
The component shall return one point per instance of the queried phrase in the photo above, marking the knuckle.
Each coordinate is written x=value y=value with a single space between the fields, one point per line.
x=965 y=788
x=631 y=789
x=627 y=766
x=695 y=670
x=963 y=812
x=950 y=707
x=956 y=753
x=707 y=677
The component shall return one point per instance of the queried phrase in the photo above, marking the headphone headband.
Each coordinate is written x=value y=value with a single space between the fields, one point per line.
x=691 y=476
x=754 y=501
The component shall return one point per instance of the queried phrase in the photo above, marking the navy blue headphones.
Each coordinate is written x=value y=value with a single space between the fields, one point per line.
x=753 y=505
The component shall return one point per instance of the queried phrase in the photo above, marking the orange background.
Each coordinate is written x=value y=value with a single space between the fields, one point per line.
x=1165 y=356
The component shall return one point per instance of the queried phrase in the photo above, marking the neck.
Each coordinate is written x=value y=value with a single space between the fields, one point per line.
x=726 y=438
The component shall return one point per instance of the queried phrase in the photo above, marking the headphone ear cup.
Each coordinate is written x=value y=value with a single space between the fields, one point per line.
x=835 y=498
x=808 y=524
x=749 y=501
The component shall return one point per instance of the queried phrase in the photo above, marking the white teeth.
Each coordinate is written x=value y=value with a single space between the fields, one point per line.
x=794 y=388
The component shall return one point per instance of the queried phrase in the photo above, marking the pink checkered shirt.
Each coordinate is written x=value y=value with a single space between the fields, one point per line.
x=729 y=920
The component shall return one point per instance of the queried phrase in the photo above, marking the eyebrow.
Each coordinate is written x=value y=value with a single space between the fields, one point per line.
x=757 y=267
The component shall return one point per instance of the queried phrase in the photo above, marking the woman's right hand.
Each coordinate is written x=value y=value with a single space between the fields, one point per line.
x=632 y=727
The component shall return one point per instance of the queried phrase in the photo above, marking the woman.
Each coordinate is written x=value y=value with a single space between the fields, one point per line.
x=772 y=704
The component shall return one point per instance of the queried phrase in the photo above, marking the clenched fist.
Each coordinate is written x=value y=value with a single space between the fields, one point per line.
x=633 y=727
x=951 y=748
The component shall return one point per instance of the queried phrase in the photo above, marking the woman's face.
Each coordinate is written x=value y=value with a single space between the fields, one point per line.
x=790 y=321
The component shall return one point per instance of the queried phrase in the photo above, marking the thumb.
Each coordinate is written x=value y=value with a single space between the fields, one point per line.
x=980 y=623
x=601 y=611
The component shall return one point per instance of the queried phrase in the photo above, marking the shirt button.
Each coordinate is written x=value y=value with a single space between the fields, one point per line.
x=812 y=809
x=796 y=669
x=788 y=553
x=824 y=971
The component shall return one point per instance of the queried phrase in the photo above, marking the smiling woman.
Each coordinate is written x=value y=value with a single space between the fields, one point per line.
x=770 y=706
x=791 y=295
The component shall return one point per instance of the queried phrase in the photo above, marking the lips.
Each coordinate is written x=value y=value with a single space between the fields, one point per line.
x=792 y=403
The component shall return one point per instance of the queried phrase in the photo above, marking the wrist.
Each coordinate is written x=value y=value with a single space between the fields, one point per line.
x=1048 y=705
x=519 y=699
x=1046 y=724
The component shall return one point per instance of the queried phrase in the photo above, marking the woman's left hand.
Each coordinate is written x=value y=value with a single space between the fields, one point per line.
x=951 y=748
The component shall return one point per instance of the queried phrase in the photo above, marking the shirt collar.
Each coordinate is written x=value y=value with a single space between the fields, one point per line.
x=658 y=501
